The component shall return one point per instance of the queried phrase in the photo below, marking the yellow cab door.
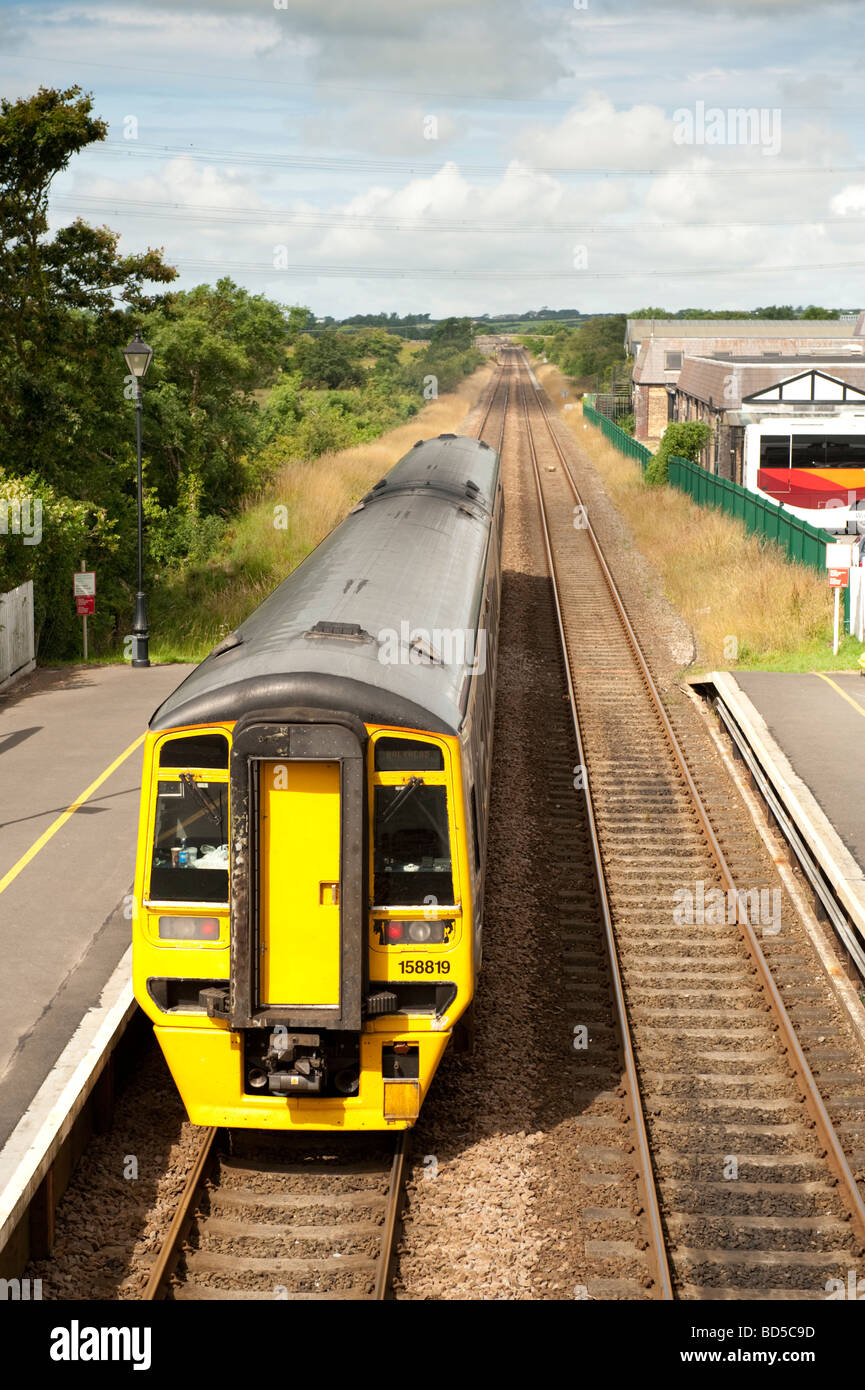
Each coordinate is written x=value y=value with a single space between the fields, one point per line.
x=299 y=839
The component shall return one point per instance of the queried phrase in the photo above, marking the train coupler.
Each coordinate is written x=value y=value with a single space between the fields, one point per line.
x=291 y=1063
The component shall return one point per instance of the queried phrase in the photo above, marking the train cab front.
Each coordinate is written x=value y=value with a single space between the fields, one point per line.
x=308 y=1028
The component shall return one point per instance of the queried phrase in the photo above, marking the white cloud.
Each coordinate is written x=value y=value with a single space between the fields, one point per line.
x=849 y=201
x=595 y=135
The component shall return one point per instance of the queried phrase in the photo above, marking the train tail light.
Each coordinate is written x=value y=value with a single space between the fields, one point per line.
x=189 y=928
x=413 y=933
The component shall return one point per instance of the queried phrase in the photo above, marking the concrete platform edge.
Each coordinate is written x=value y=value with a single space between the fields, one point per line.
x=836 y=861
x=35 y=1141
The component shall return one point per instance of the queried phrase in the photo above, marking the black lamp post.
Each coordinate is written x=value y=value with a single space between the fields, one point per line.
x=138 y=355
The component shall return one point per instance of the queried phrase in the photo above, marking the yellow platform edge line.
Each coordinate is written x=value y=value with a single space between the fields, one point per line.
x=65 y=815
x=829 y=681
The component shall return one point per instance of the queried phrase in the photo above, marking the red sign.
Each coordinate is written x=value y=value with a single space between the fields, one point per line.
x=839 y=579
x=85 y=605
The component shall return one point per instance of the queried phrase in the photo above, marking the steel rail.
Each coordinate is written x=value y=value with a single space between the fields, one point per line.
x=651 y=1203
x=392 y=1213
x=182 y=1220
x=494 y=389
x=810 y=1091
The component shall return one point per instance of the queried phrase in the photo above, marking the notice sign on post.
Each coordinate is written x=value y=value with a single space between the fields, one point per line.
x=84 y=584
x=84 y=592
x=838 y=561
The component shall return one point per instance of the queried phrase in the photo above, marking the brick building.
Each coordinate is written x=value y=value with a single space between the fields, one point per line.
x=794 y=428
x=661 y=346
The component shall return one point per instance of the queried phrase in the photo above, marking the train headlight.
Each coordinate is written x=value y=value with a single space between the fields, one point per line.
x=189 y=929
x=420 y=931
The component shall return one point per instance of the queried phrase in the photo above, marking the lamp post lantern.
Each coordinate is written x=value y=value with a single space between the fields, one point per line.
x=138 y=356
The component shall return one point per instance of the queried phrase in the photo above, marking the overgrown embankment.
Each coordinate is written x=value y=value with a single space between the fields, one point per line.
x=194 y=608
x=746 y=603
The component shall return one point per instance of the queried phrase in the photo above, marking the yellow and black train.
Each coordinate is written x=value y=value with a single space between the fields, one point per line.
x=310 y=873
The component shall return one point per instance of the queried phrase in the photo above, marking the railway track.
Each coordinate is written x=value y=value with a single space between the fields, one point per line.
x=495 y=410
x=744 y=1188
x=300 y=1217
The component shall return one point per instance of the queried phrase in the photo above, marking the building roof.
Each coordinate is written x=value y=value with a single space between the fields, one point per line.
x=411 y=555
x=650 y=368
x=638 y=330
x=725 y=383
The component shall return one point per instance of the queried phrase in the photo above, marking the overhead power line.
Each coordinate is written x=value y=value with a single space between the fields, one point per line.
x=367 y=164
x=574 y=277
x=329 y=84
x=214 y=214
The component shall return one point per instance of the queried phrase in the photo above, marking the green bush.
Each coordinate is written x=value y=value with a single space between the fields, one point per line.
x=283 y=408
x=63 y=532
x=682 y=439
x=177 y=538
x=325 y=429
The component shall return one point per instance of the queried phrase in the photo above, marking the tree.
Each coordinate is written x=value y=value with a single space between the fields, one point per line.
x=58 y=295
x=68 y=303
x=815 y=312
x=591 y=349
x=212 y=347
x=299 y=320
x=330 y=360
x=775 y=311
x=452 y=334
x=377 y=343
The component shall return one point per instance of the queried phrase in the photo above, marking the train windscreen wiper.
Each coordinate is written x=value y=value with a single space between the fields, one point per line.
x=211 y=807
x=403 y=795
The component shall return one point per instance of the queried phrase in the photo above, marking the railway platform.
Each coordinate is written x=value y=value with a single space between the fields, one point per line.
x=70 y=756
x=804 y=735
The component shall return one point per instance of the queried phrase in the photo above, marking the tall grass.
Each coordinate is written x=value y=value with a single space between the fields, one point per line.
x=194 y=608
x=745 y=602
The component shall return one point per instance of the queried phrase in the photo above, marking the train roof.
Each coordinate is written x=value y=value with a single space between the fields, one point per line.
x=381 y=619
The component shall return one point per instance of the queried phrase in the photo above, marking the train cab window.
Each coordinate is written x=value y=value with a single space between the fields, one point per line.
x=412 y=854
x=190 y=841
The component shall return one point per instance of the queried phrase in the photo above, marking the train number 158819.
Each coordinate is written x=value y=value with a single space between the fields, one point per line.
x=424 y=967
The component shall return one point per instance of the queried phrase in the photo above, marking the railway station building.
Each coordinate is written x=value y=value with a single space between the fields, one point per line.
x=798 y=412
x=660 y=348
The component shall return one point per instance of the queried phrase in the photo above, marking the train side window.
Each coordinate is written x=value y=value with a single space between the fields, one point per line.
x=190 y=841
x=477 y=838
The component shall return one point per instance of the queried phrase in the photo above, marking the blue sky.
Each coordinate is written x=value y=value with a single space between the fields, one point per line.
x=469 y=156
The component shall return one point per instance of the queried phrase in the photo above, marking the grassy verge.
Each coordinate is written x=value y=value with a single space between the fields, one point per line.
x=748 y=606
x=192 y=610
